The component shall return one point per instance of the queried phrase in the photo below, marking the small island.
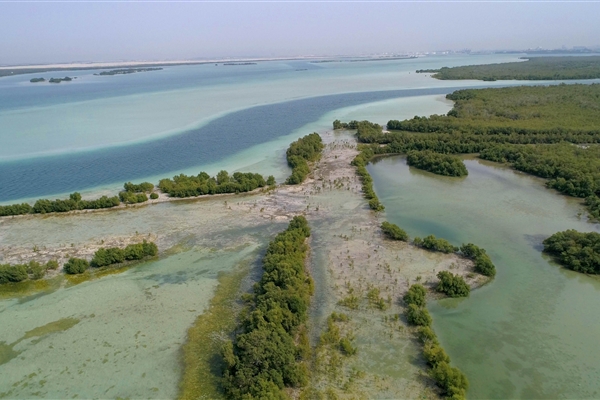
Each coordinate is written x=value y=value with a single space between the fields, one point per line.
x=59 y=80
x=126 y=71
x=35 y=80
x=240 y=63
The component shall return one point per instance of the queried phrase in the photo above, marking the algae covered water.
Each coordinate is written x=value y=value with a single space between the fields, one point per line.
x=532 y=332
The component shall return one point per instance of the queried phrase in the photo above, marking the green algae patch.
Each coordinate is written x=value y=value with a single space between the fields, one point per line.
x=202 y=363
x=51 y=327
x=7 y=352
x=28 y=290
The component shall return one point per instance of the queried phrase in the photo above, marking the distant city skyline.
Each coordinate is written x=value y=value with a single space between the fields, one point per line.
x=61 y=32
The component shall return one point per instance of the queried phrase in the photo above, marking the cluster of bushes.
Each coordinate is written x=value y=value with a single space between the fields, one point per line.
x=337 y=124
x=116 y=255
x=300 y=153
x=434 y=244
x=579 y=251
x=483 y=263
x=450 y=379
x=137 y=193
x=452 y=285
x=22 y=272
x=536 y=68
x=112 y=255
x=393 y=231
x=369 y=132
x=441 y=164
x=263 y=358
x=76 y=266
x=360 y=162
x=201 y=184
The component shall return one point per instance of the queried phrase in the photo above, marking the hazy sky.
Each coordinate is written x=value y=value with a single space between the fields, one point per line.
x=108 y=31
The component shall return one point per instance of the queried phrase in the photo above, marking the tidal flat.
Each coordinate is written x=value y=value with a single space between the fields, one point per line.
x=136 y=320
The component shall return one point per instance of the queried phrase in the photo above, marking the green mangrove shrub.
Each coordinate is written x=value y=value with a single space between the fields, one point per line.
x=76 y=266
x=393 y=231
x=578 y=251
x=452 y=285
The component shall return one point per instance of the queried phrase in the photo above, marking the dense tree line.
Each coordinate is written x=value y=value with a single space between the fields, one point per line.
x=393 y=231
x=450 y=379
x=263 y=358
x=576 y=250
x=452 y=285
x=441 y=164
x=22 y=272
x=300 y=153
x=535 y=68
x=202 y=184
x=115 y=255
x=45 y=206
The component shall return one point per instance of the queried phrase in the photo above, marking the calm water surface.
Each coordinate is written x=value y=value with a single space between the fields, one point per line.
x=533 y=331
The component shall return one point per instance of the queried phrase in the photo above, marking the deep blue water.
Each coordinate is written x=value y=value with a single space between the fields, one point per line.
x=220 y=138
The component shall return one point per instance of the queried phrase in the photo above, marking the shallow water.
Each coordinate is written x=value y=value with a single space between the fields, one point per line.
x=130 y=326
x=532 y=332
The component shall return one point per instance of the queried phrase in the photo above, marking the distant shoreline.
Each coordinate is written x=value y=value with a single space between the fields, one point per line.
x=31 y=69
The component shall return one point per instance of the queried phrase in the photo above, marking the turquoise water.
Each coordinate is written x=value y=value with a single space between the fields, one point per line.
x=532 y=332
